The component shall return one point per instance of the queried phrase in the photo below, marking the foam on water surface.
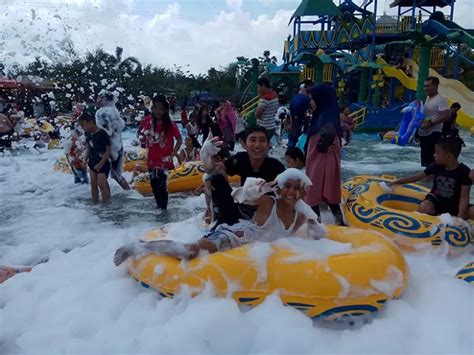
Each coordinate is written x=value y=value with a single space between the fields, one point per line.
x=79 y=302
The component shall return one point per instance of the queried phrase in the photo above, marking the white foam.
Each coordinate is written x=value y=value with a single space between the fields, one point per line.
x=159 y=269
x=392 y=281
x=313 y=249
x=293 y=174
x=260 y=252
x=79 y=302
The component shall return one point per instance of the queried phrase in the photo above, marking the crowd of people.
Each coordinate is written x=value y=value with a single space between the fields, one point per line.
x=275 y=202
x=271 y=196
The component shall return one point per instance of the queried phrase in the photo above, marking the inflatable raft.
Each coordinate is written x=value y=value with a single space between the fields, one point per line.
x=186 y=177
x=62 y=166
x=393 y=212
x=355 y=281
x=466 y=273
x=134 y=157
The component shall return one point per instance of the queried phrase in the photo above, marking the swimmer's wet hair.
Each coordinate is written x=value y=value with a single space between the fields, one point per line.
x=451 y=145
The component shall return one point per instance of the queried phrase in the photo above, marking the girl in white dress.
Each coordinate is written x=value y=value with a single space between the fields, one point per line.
x=276 y=217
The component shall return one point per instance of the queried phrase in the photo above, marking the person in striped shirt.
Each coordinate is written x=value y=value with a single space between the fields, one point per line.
x=267 y=106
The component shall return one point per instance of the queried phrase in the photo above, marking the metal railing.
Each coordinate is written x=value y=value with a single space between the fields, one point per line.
x=436 y=58
x=307 y=73
x=250 y=105
x=358 y=116
x=327 y=73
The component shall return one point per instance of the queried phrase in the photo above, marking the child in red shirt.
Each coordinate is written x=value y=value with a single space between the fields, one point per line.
x=162 y=139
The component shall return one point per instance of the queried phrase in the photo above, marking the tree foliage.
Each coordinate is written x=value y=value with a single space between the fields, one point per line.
x=82 y=77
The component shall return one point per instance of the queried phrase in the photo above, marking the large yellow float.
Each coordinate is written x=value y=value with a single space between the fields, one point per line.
x=357 y=281
x=62 y=165
x=186 y=177
x=393 y=213
x=134 y=157
x=33 y=125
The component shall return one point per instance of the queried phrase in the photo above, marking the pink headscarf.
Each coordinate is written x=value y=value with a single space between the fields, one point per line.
x=228 y=111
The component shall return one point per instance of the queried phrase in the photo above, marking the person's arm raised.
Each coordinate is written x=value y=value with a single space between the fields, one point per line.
x=253 y=191
x=210 y=148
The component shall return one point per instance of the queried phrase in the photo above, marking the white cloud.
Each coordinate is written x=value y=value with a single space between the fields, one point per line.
x=235 y=5
x=163 y=39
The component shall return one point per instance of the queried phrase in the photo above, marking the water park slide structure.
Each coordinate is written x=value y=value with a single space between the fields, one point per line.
x=453 y=90
x=450 y=29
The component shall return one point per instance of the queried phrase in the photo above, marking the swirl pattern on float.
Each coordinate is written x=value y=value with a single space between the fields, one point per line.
x=356 y=192
x=188 y=169
x=457 y=236
x=392 y=221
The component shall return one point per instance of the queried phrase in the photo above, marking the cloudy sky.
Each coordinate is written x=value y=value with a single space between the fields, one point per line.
x=198 y=33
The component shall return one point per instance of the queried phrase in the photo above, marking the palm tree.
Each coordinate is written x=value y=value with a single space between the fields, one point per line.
x=128 y=67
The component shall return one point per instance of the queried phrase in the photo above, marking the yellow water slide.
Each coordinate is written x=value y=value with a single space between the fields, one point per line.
x=453 y=90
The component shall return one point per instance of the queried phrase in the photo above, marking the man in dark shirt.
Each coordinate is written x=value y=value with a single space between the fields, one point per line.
x=252 y=163
x=298 y=107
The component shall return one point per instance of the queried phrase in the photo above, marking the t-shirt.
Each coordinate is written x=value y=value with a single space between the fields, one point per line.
x=269 y=103
x=160 y=144
x=449 y=124
x=447 y=183
x=281 y=114
x=97 y=143
x=298 y=107
x=239 y=164
x=433 y=107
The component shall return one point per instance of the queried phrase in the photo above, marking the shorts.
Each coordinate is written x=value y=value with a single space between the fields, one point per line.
x=219 y=239
x=443 y=206
x=104 y=170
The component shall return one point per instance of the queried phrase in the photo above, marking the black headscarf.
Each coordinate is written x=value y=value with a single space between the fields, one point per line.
x=327 y=110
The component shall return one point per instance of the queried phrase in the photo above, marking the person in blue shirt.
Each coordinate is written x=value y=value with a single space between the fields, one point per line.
x=298 y=107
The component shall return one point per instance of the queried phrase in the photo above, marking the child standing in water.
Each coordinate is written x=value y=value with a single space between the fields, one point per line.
x=276 y=218
x=163 y=140
x=74 y=148
x=347 y=124
x=97 y=156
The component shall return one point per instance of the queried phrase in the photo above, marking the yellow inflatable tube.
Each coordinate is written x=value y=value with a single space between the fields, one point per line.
x=393 y=213
x=357 y=281
x=466 y=273
x=186 y=177
x=133 y=158
x=54 y=144
x=62 y=166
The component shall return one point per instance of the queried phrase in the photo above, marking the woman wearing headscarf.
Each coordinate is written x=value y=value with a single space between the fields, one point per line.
x=227 y=123
x=323 y=160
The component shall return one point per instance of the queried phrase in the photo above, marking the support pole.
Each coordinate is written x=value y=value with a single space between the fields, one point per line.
x=319 y=72
x=423 y=72
x=456 y=62
x=364 y=73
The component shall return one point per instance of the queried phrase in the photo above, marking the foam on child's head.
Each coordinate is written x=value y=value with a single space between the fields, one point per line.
x=293 y=174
